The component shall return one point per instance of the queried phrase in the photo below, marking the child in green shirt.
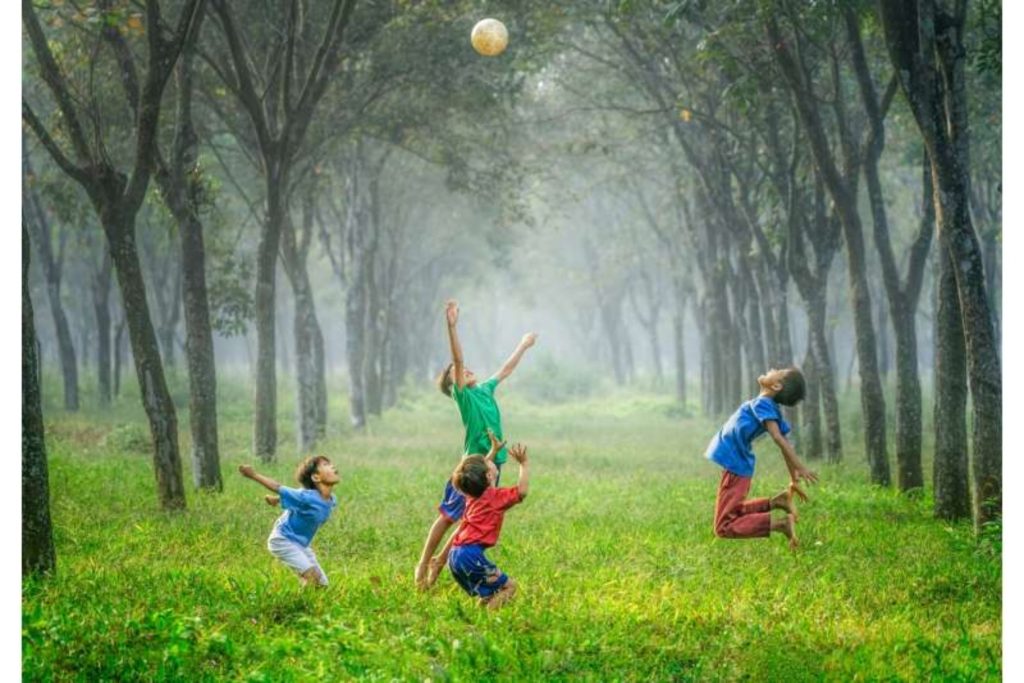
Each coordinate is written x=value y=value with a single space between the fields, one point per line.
x=480 y=413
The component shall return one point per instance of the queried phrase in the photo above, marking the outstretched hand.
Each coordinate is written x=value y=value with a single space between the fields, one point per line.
x=451 y=311
x=794 y=488
x=529 y=339
x=518 y=451
x=246 y=471
x=496 y=444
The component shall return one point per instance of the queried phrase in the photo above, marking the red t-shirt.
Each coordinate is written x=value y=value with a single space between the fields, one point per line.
x=481 y=523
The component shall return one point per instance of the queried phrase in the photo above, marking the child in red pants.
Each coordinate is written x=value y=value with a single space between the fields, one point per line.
x=735 y=516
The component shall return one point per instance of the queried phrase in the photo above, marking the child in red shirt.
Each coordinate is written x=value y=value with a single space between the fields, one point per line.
x=481 y=524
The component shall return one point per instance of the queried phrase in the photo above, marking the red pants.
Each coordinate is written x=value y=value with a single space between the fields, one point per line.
x=736 y=517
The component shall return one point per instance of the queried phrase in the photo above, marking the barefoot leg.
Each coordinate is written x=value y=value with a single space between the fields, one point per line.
x=434 y=536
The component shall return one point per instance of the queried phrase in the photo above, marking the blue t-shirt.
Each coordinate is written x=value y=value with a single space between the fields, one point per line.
x=730 y=448
x=305 y=511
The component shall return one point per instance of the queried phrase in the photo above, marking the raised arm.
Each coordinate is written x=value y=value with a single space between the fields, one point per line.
x=797 y=471
x=518 y=451
x=248 y=472
x=451 y=313
x=527 y=341
x=496 y=445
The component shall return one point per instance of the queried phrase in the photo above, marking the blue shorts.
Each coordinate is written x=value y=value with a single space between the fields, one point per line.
x=477 y=575
x=453 y=503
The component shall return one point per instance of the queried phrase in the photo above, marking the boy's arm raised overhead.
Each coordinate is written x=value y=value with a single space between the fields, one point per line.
x=451 y=313
x=248 y=472
x=528 y=340
x=518 y=451
x=797 y=471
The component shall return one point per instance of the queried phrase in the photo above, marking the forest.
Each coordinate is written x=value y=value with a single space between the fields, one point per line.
x=240 y=226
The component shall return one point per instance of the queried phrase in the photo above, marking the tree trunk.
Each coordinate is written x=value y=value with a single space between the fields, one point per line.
x=842 y=187
x=101 y=306
x=883 y=336
x=118 y=354
x=355 y=316
x=37 y=551
x=811 y=408
x=320 y=371
x=826 y=379
x=202 y=368
x=170 y=318
x=305 y=362
x=950 y=476
x=264 y=440
x=156 y=400
x=373 y=353
x=181 y=187
x=39 y=224
x=928 y=54
x=983 y=365
x=678 y=345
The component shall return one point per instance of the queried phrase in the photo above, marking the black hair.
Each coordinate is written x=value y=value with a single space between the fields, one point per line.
x=307 y=468
x=470 y=477
x=794 y=388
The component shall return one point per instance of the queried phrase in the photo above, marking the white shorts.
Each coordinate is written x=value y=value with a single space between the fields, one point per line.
x=298 y=557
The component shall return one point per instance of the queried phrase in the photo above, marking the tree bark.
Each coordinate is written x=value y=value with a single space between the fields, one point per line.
x=37 y=552
x=926 y=47
x=811 y=406
x=156 y=399
x=101 y=306
x=181 y=184
x=264 y=437
x=951 y=478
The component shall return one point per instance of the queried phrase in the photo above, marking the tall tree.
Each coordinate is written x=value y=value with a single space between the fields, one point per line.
x=903 y=295
x=926 y=45
x=185 y=191
x=841 y=184
x=117 y=195
x=280 y=103
x=37 y=552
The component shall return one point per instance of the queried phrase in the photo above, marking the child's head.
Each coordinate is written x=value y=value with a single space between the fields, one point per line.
x=316 y=469
x=446 y=378
x=786 y=386
x=474 y=475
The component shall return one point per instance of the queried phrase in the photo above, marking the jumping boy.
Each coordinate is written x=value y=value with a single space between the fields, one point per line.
x=305 y=511
x=479 y=412
x=735 y=516
x=477 y=477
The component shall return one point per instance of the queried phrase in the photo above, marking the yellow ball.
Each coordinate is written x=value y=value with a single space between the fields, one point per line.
x=489 y=37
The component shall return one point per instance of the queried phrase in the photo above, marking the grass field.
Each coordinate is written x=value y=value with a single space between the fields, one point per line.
x=620 y=576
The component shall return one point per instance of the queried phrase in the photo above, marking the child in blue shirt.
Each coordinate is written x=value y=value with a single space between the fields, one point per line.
x=305 y=511
x=735 y=516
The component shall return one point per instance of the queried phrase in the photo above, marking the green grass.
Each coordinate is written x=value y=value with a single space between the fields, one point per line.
x=620 y=575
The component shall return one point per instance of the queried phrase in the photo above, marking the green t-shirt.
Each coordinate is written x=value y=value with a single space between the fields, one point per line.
x=479 y=411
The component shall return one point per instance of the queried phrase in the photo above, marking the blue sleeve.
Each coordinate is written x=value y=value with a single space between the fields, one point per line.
x=766 y=409
x=292 y=499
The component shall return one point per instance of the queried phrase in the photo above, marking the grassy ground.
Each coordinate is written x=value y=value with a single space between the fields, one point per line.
x=620 y=576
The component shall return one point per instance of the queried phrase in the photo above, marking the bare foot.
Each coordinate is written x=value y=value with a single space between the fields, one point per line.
x=788 y=528
x=420 y=576
x=784 y=501
x=434 y=569
x=503 y=595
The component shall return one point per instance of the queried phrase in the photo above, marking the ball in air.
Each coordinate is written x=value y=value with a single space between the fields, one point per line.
x=489 y=37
